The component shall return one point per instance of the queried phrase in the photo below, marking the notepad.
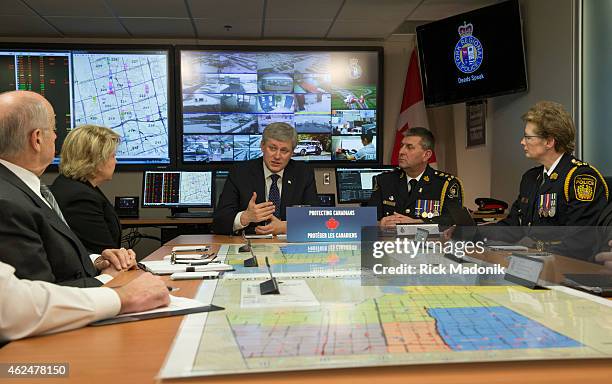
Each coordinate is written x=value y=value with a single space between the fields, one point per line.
x=178 y=306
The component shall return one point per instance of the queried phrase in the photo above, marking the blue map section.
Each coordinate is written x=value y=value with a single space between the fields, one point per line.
x=488 y=328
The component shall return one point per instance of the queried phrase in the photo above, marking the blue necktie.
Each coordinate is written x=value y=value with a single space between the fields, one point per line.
x=274 y=195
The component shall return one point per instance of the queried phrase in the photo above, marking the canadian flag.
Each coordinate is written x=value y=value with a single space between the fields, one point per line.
x=412 y=112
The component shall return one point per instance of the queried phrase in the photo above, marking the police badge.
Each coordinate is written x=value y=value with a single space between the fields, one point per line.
x=584 y=187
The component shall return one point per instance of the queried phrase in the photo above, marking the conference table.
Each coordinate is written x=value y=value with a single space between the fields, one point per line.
x=135 y=352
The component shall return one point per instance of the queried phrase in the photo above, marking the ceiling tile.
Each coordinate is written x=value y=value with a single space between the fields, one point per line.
x=296 y=28
x=148 y=8
x=214 y=28
x=79 y=8
x=300 y=9
x=14 y=26
x=226 y=9
x=378 y=10
x=89 y=26
x=158 y=27
x=440 y=9
x=360 y=30
x=16 y=7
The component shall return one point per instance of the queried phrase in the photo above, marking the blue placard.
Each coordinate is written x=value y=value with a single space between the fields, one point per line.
x=330 y=224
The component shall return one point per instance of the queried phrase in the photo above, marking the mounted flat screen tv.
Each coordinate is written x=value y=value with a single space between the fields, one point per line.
x=474 y=55
x=123 y=88
x=229 y=95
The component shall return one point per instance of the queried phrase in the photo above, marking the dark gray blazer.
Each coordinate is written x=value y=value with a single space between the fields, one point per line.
x=36 y=242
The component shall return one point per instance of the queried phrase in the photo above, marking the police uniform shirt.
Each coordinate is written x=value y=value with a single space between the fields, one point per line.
x=573 y=194
x=434 y=192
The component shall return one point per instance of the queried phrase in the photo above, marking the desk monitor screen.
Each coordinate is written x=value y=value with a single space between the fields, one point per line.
x=355 y=184
x=177 y=190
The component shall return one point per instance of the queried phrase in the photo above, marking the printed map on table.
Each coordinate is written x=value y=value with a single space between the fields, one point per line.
x=358 y=326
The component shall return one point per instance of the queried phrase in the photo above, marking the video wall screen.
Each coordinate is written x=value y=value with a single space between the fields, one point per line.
x=125 y=90
x=228 y=97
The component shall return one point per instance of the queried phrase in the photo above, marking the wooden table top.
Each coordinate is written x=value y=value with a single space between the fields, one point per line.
x=135 y=352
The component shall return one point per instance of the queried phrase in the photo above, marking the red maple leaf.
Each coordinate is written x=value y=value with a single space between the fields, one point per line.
x=332 y=223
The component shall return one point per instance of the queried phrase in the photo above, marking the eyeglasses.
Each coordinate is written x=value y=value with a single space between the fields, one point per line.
x=527 y=137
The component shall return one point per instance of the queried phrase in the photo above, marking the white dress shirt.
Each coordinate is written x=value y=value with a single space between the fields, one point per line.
x=408 y=178
x=33 y=182
x=268 y=181
x=552 y=167
x=29 y=308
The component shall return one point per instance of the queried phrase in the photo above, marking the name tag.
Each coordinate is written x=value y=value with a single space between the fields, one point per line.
x=388 y=202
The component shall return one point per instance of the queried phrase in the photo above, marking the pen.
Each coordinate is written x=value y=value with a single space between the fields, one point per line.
x=172 y=289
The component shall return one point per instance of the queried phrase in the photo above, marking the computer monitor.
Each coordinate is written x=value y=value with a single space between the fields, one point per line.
x=124 y=88
x=228 y=95
x=354 y=185
x=178 y=191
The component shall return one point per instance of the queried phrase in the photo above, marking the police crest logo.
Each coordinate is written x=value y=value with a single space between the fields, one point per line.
x=468 y=52
x=453 y=192
x=584 y=187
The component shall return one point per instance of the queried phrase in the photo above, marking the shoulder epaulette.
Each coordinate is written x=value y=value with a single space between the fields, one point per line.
x=450 y=178
x=578 y=164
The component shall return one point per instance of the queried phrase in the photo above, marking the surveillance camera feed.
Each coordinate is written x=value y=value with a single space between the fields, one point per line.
x=230 y=97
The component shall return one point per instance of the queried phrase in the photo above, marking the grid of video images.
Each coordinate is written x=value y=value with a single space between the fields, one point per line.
x=229 y=98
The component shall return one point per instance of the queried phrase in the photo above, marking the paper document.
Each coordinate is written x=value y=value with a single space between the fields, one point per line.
x=164 y=267
x=178 y=306
x=293 y=293
x=507 y=247
x=190 y=248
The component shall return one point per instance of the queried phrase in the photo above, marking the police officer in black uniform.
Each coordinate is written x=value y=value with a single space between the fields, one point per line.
x=561 y=190
x=414 y=192
x=561 y=197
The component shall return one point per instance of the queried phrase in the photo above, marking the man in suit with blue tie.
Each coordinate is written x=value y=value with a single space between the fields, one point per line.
x=257 y=192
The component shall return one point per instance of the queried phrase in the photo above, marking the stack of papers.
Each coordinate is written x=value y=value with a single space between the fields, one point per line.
x=164 y=267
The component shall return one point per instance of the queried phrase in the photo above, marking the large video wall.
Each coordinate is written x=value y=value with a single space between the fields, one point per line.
x=228 y=97
x=221 y=103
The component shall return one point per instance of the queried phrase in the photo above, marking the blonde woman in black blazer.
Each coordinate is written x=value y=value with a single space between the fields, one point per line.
x=87 y=161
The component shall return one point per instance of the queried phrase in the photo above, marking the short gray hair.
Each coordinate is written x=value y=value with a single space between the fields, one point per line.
x=427 y=138
x=18 y=117
x=281 y=132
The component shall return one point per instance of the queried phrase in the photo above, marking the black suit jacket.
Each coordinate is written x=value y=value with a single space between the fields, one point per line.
x=580 y=195
x=574 y=206
x=89 y=213
x=434 y=193
x=36 y=242
x=299 y=188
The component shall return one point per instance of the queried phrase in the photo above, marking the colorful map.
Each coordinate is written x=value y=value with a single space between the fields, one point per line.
x=351 y=325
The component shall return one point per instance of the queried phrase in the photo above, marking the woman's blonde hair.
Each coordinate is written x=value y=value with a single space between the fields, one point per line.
x=85 y=149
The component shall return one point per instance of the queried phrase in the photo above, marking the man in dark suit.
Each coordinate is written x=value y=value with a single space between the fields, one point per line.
x=35 y=239
x=414 y=192
x=257 y=192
